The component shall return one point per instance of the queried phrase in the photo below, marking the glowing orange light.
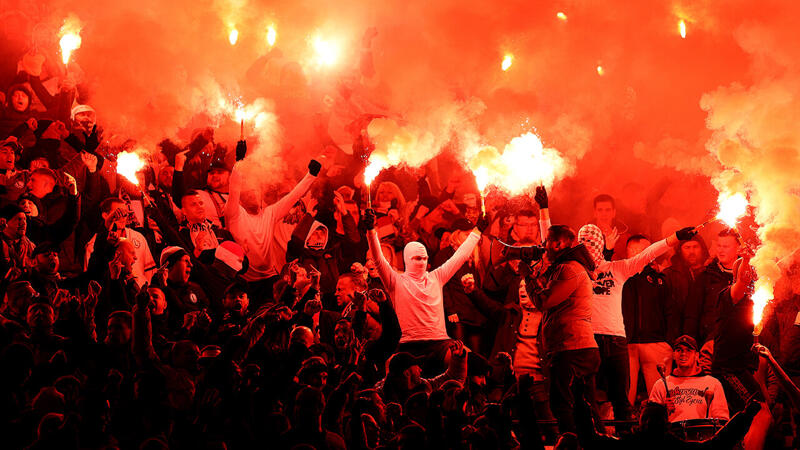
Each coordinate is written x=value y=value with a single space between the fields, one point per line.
x=233 y=36
x=561 y=16
x=508 y=60
x=731 y=208
x=600 y=70
x=761 y=297
x=272 y=35
x=375 y=166
x=70 y=38
x=326 y=52
x=481 y=177
x=682 y=28
x=128 y=163
x=524 y=162
x=482 y=180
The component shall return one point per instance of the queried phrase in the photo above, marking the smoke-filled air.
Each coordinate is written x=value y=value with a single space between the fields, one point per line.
x=672 y=97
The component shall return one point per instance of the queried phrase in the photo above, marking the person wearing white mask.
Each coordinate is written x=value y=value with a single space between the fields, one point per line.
x=416 y=294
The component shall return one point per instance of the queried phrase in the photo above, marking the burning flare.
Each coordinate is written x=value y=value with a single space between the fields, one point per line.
x=326 y=53
x=375 y=166
x=524 y=162
x=233 y=36
x=731 y=208
x=272 y=35
x=561 y=16
x=682 y=28
x=600 y=70
x=128 y=163
x=70 y=38
x=761 y=297
x=507 y=61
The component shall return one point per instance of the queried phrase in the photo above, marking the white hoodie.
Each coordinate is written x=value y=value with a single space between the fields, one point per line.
x=416 y=294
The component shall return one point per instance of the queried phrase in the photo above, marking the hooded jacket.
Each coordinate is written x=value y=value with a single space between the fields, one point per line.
x=564 y=294
x=609 y=278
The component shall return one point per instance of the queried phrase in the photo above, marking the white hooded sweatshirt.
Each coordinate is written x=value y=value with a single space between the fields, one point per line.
x=416 y=294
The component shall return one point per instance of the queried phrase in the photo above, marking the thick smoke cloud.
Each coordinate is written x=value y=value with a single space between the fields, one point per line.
x=159 y=69
x=758 y=141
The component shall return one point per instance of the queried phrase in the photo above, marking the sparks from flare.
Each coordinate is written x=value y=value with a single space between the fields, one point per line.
x=128 y=163
x=561 y=16
x=508 y=60
x=70 y=38
x=272 y=35
x=731 y=208
x=682 y=28
x=233 y=36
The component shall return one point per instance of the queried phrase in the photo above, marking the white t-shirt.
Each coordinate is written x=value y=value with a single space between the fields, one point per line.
x=688 y=394
x=607 y=286
x=265 y=248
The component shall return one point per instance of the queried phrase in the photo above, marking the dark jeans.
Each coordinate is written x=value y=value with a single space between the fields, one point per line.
x=615 y=373
x=434 y=353
x=566 y=368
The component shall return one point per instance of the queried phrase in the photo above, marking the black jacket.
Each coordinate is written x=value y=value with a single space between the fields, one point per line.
x=647 y=309
x=702 y=307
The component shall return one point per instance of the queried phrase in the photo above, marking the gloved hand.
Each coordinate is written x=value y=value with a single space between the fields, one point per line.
x=92 y=141
x=369 y=219
x=541 y=197
x=314 y=167
x=483 y=223
x=684 y=234
x=241 y=150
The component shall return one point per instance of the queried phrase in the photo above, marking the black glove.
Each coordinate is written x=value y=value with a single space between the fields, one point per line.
x=314 y=167
x=483 y=223
x=684 y=234
x=241 y=150
x=369 y=219
x=92 y=141
x=541 y=197
x=76 y=143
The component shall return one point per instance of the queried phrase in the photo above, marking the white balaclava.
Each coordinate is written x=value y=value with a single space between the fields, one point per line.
x=592 y=238
x=415 y=268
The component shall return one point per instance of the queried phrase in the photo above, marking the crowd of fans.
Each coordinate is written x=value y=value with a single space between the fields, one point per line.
x=190 y=310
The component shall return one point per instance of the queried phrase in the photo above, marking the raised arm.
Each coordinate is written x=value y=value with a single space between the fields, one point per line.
x=449 y=268
x=282 y=206
x=631 y=266
x=385 y=270
x=232 y=207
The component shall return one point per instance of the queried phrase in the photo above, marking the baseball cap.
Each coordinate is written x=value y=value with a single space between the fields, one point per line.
x=686 y=341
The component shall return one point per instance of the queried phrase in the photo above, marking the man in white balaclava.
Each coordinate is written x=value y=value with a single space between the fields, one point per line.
x=416 y=294
x=609 y=328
